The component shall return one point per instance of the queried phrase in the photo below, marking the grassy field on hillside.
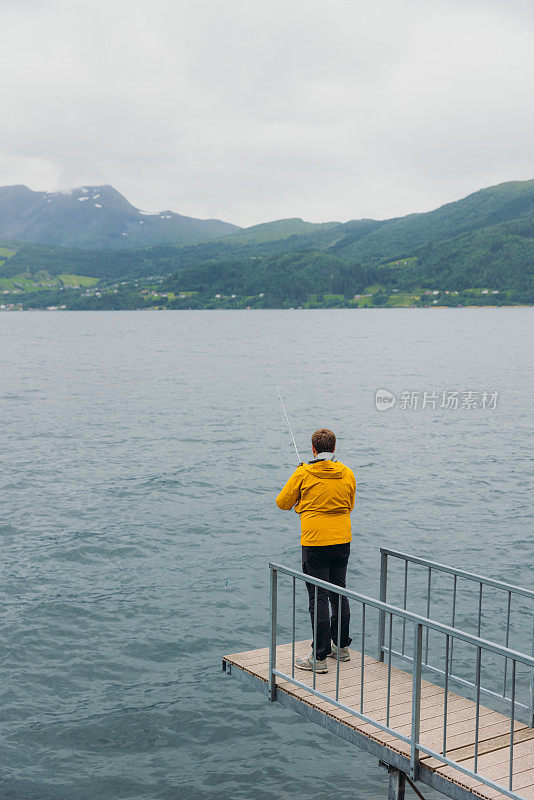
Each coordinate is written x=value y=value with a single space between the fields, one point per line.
x=77 y=280
x=23 y=282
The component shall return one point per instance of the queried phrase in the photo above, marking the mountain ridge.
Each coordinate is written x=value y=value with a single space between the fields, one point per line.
x=484 y=240
x=95 y=217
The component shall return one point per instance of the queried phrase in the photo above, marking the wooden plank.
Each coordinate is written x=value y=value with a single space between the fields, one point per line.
x=326 y=682
x=349 y=676
x=460 y=754
x=460 y=738
x=377 y=702
x=256 y=656
x=457 y=721
x=375 y=674
x=432 y=717
x=523 y=777
x=251 y=655
x=502 y=756
x=432 y=736
x=489 y=794
x=494 y=772
x=465 y=720
x=431 y=708
x=262 y=655
x=523 y=783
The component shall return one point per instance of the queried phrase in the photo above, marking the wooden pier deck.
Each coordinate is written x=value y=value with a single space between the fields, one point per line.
x=252 y=667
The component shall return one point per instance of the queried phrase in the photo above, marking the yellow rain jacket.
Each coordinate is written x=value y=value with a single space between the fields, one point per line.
x=323 y=494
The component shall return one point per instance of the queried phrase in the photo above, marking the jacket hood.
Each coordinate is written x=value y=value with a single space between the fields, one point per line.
x=325 y=469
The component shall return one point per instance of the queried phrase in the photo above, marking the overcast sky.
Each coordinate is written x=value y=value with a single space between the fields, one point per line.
x=252 y=110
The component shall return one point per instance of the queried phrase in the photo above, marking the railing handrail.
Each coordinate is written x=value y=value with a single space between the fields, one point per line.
x=455 y=633
x=460 y=573
x=419 y=624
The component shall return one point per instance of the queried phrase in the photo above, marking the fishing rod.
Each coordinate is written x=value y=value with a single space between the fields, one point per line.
x=288 y=423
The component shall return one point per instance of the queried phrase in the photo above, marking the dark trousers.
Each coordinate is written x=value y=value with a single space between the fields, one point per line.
x=328 y=563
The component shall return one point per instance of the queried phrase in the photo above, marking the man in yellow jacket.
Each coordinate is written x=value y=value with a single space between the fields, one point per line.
x=322 y=492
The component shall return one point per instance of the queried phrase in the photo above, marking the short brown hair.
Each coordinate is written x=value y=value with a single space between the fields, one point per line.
x=324 y=440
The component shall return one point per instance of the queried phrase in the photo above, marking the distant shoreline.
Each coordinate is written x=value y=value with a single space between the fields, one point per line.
x=197 y=310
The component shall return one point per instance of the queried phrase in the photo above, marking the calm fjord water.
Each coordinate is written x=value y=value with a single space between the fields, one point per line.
x=141 y=455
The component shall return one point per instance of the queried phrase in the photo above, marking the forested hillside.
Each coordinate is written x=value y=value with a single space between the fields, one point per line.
x=478 y=250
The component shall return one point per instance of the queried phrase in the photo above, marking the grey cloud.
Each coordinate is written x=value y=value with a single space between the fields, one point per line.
x=258 y=110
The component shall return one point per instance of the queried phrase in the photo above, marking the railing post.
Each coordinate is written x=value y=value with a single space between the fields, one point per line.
x=383 y=595
x=416 y=698
x=531 y=705
x=272 y=647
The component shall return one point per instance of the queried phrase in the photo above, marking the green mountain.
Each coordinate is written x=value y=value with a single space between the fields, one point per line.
x=279 y=230
x=478 y=250
x=485 y=239
x=396 y=237
x=95 y=217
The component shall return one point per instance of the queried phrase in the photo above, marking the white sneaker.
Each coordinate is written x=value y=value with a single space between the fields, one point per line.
x=307 y=663
x=344 y=653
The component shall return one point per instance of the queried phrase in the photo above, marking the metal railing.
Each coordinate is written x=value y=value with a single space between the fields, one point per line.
x=420 y=625
x=435 y=567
